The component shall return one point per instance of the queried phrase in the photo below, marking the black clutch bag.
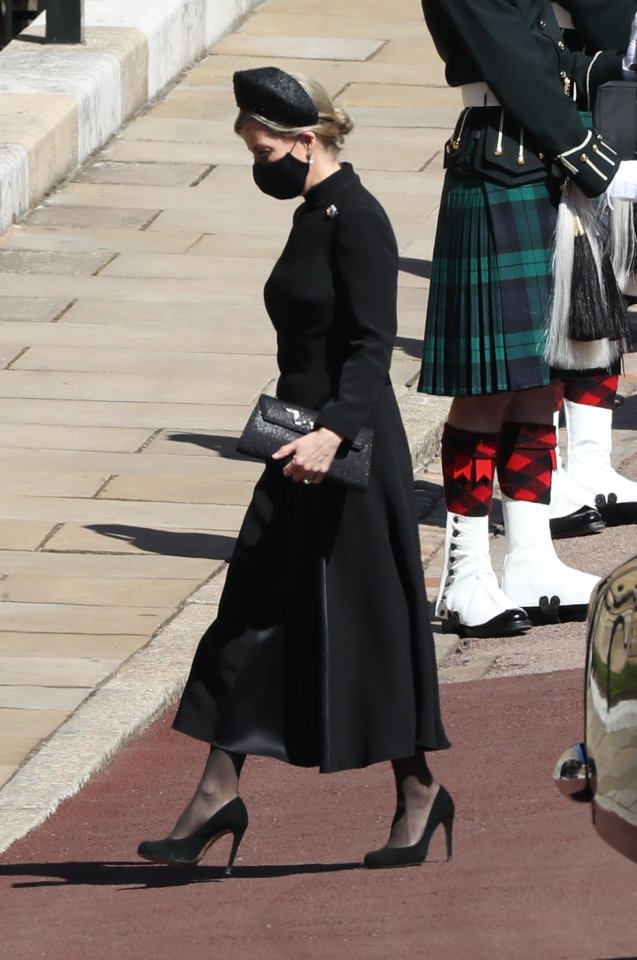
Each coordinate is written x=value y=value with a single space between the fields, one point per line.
x=275 y=422
x=615 y=116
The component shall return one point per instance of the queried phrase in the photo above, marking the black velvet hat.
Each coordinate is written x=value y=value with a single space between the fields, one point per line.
x=274 y=95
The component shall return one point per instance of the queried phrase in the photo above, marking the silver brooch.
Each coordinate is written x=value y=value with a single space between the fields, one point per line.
x=331 y=211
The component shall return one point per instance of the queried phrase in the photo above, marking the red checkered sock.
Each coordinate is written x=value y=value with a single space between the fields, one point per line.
x=526 y=461
x=595 y=391
x=468 y=466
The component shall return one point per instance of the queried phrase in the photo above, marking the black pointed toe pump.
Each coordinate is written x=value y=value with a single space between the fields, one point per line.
x=187 y=851
x=442 y=811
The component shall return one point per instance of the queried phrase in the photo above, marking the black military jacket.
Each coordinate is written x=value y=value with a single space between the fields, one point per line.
x=600 y=24
x=516 y=48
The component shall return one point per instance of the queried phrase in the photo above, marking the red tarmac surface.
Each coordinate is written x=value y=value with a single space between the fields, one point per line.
x=530 y=880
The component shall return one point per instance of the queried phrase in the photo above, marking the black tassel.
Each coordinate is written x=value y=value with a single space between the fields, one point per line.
x=587 y=317
x=618 y=327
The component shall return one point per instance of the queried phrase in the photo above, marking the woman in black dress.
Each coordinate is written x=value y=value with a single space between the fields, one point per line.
x=322 y=652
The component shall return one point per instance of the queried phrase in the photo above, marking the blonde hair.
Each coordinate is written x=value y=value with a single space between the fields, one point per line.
x=333 y=125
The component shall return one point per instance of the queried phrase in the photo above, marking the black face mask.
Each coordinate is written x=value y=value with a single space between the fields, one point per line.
x=283 y=178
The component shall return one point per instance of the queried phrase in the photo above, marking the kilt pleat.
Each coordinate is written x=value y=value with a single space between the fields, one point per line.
x=490 y=288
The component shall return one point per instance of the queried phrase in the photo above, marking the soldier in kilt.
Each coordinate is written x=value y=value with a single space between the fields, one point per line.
x=518 y=141
x=589 y=401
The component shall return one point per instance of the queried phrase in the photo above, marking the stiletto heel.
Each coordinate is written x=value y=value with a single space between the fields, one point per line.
x=187 y=851
x=448 y=825
x=237 y=837
x=442 y=811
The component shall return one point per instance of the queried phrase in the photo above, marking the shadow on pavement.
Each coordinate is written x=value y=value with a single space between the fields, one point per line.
x=428 y=496
x=139 y=875
x=411 y=346
x=206 y=546
x=417 y=268
x=223 y=445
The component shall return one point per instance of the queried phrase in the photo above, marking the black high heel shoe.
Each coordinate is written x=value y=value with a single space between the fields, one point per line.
x=442 y=811
x=187 y=851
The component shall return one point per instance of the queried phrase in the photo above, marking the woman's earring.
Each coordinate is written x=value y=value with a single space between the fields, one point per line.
x=310 y=158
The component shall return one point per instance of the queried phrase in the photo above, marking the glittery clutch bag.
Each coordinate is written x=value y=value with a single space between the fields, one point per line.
x=275 y=422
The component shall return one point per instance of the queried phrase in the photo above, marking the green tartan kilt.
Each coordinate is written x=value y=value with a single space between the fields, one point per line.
x=490 y=287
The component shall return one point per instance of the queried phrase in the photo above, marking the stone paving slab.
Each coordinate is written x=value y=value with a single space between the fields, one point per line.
x=179 y=130
x=85 y=648
x=23 y=533
x=148 y=465
x=176 y=416
x=203 y=102
x=333 y=74
x=52 y=672
x=18 y=727
x=186 y=268
x=442 y=118
x=42 y=483
x=400 y=95
x=365 y=9
x=35 y=436
x=31 y=309
x=114 y=219
x=221 y=289
x=157 y=174
x=136 y=386
x=241 y=245
x=200 y=315
x=40 y=261
x=408 y=51
x=248 y=338
x=102 y=567
x=267 y=21
x=160 y=516
x=6 y=772
x=65 y=239
x=137 y=538
x=141 y=150
x=179 y=489
x=24 y=697
x=140 y=361
x=314 y=48
x=82 y=618
x=172 y=221
x=94 y=591
x=175 y=198
x=199 y=444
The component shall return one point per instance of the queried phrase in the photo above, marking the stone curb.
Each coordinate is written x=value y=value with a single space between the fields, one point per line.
x=151 y=680
x=58 y=104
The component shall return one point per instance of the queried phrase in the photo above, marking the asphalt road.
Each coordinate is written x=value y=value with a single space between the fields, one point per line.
x=530 y=880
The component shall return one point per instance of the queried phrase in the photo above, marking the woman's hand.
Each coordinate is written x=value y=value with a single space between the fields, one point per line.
x=312 y=455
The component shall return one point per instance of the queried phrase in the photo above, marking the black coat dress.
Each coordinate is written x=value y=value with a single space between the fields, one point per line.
x=322 y=653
